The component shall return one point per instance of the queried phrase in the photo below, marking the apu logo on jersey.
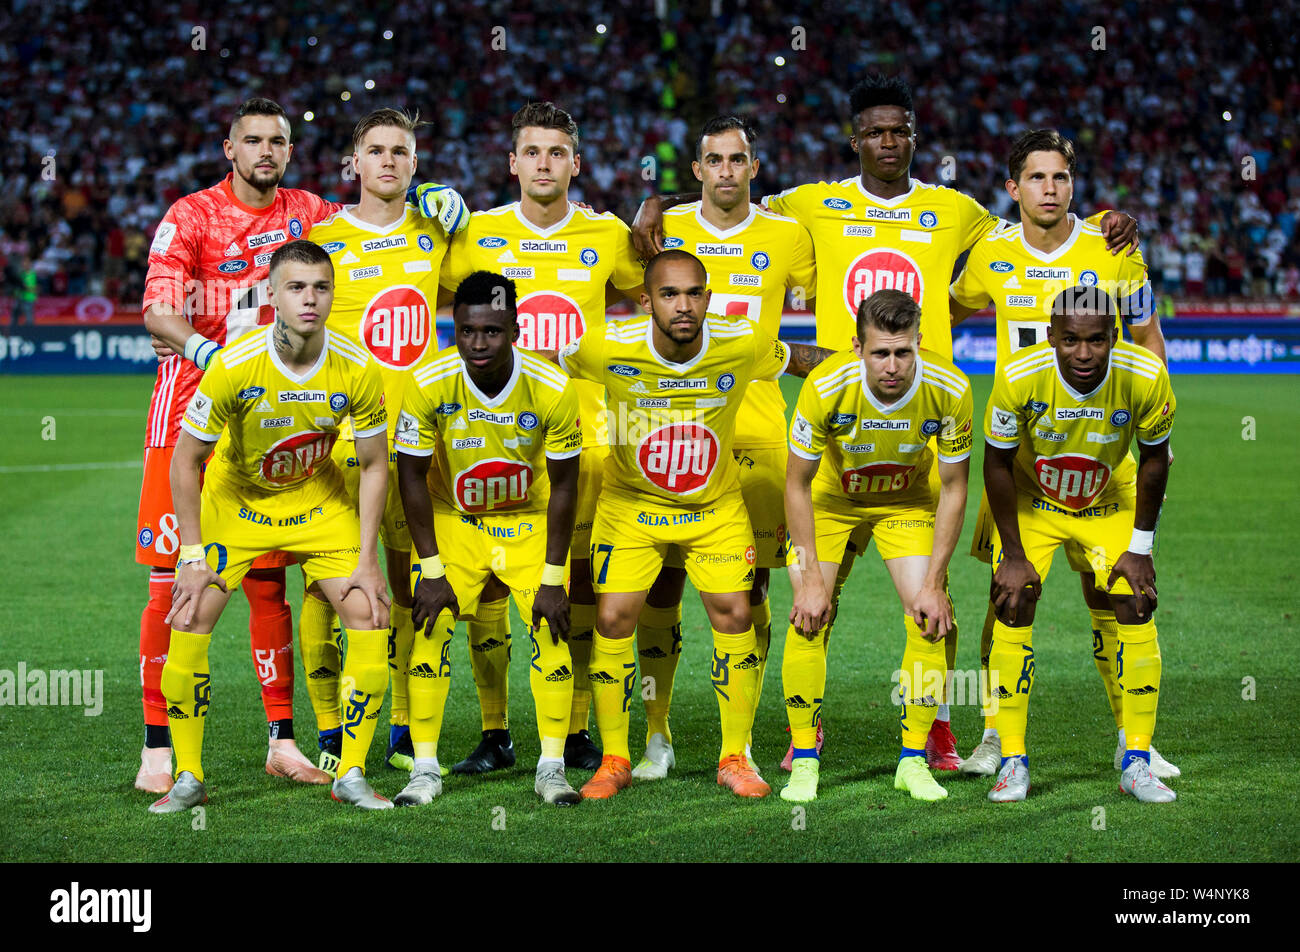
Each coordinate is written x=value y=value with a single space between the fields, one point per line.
x=879 y=269
x=549 y=320
x=332 y=246
x=1088 y=278
x=726 y=382
x=397 y=326
x=877 y=478
x=492 y=241
x=623 y=370
x=251 y=393
x=295 y=457
x=930 y=427
x=928 y=219
x=338 y=401
x=588 y=256
x=673 y=243
x=760 y=260
x=233 y=267
x=295 y=227
x=679 y=458
x=528 y=420
x=1001 y=267
x=1120 y=417
x=839 y=204
x=1070 y=479
x=425 y=243
x=493 y=484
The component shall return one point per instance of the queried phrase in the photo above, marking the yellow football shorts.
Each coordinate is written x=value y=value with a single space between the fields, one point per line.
x=632 y=535
x=392 y=526
x=511 y=546
x=317 y=524
x=591 y=470
x=898 y=530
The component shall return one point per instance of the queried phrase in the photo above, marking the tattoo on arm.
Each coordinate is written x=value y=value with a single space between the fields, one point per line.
x=804 y=357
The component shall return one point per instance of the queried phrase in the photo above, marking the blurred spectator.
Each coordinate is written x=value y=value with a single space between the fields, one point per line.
x=20 y=282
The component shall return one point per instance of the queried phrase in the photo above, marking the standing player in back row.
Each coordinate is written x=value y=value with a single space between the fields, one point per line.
x=566 y=262
x=387 y=260
x=1021 y=269
x=884 y=229
x=752 y=258
x=1057 y=471
x=280 y=395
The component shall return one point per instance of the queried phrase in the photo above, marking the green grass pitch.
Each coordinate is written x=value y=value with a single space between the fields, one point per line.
x=1227 y=576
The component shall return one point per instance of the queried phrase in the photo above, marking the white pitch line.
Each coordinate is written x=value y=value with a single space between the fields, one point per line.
x=68 y=411
x=70 y=467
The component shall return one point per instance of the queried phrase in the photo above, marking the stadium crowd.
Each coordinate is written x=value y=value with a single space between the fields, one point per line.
x=1180 y=119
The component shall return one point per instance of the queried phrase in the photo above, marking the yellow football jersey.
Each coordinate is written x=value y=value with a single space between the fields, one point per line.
x=560 y=274
x=1022 y=282
x=493 y=450
x=280 y=427
x=1073 y=447
x=749 y=267
x=385 y=291
x=671 y=425
x=863 y=244
x=879 y=454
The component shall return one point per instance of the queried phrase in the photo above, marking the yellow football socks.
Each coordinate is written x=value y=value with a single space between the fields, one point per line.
x=762 y=613
x=921 y=685
x=1138 y=664
x=429 y=683
x=365 y=672
x=986 y=646
x=551 y=675
x=1105 y=642
x=582 y=628
x=803 y=679
x=321 y=659
x=400 y=637
x=735 y=676
x=187 y=686
x=1011 y=676
x=659 y=647
x=612 y=673
x=489 y=660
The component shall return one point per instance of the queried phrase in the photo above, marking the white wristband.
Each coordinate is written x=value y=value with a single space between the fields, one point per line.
x=1142 y=542
x=431 y=568
x=199 y=350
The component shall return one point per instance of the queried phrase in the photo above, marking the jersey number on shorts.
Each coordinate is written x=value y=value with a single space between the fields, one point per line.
x=607 y=551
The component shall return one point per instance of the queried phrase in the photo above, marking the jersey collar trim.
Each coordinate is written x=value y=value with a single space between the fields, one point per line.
x=480 y=396
x=227 y=186
x=723 y=234
x=1047 y=257
x=885 y=202
x=348 y=214
x=299 y=379
x=902 y=401
x=683 y=367
x=1075 y=394
x=544 y=232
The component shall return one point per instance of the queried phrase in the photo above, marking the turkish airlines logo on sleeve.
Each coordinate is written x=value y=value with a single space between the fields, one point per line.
x=679 y=458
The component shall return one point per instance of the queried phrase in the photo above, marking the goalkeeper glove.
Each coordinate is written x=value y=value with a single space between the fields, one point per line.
x=201 y=350
x=441 y=202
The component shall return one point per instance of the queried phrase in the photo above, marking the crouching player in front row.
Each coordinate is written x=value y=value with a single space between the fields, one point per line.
x=1057 y=471
x=860 y=457
x=280 y=394
x=504 y=425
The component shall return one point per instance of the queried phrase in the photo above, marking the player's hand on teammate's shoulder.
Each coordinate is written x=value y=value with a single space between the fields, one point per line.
x=932 y=613
x=191 y=580
x=1140 y=573
x=430 y=599
x=1015 y=582
x=648 y=228
x=368 y=580
x=1120 y=231
x=552 y=605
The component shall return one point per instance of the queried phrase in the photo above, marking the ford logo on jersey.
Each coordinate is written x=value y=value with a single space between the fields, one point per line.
x=588 y=256
x=1002 y=267
x=338 y=401
x=929 y=427
x=726 y=382
x=332 y=246
x=1120 y=417
x=673 y=243
x=1088 y=278
x=623 y=370
x=1037 y=406
x=528 y=420
x=251 y=393
x=839 y=204
x=760 y=260
x=295 y=227
x=928 y=219
x=842 y=419
x=447 y=409
x=492 y=241
x=233 y=267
